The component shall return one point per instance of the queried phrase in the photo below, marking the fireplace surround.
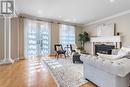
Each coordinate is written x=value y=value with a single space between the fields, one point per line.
x=111 y=40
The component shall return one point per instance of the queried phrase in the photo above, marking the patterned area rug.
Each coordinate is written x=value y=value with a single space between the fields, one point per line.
x=65 y=72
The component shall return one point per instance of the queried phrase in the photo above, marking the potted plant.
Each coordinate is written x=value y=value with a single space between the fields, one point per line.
x=83 y=38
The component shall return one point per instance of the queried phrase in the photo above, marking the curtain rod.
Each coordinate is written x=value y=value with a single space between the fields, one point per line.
x=47 y=21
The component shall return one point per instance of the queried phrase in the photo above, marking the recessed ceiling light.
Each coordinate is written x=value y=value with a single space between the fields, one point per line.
x=74 y=20
x=112 y=1
x=39 y=12
x=60 y=16
x=67 y=20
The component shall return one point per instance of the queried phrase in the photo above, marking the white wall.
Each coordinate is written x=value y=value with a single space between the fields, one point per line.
x=122 y=26
x=21 y=38
x=78 y=30
x=54 y=36
x=1 y=38
x=14 y=38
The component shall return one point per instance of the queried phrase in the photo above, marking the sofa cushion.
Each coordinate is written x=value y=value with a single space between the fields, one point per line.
x=124 y=51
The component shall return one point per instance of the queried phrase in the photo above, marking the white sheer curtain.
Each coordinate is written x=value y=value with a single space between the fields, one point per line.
x=37 y=38
x=44 y=37
x=30 y=40
x=67 y=35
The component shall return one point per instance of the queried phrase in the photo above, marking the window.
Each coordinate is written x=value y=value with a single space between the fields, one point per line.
x=67 y=35
x=37 y=38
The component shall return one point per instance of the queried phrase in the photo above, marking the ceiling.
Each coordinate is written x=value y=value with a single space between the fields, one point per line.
x=76 y=11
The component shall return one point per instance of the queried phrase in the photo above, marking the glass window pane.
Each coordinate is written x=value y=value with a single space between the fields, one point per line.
x=67 y=35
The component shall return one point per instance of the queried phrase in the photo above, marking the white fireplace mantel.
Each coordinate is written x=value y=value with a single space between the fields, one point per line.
x=104 y=39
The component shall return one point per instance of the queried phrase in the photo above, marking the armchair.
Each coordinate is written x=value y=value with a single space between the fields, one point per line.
x=59 y=50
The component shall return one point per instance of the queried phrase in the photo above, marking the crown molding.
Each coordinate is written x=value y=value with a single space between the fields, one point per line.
x=108 y=18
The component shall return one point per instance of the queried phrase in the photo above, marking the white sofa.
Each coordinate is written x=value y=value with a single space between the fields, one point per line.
x=106 y=73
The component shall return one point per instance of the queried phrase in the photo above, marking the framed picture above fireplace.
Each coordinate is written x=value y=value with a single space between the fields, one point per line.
x=106 y=30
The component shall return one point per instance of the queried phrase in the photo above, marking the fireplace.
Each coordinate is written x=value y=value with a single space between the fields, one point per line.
x=105 y=44
x=104 y=49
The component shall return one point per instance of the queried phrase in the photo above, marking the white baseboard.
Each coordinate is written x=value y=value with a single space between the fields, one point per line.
x=15 y=59
x=5 y=62
x=9 y=61
x=21 y=58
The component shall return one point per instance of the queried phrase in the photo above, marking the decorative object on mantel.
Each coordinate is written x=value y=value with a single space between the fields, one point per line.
x=83 y=38
x=118 y=33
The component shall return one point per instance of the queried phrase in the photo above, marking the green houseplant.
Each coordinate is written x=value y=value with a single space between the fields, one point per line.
x=83 y=38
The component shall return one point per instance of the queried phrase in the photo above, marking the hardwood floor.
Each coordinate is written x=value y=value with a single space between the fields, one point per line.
x=28 y=73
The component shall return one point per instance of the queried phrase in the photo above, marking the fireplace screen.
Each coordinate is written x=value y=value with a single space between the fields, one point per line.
x=104 y=49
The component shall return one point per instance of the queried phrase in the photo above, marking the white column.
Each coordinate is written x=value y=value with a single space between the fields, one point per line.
x=7 y=41
x=92 y=48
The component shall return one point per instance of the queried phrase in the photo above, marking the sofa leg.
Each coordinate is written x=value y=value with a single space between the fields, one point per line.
x=86 y=79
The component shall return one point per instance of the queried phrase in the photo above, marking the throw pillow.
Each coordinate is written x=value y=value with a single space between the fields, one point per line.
x=127 y=56
x=127 y=49
x=124 y=49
